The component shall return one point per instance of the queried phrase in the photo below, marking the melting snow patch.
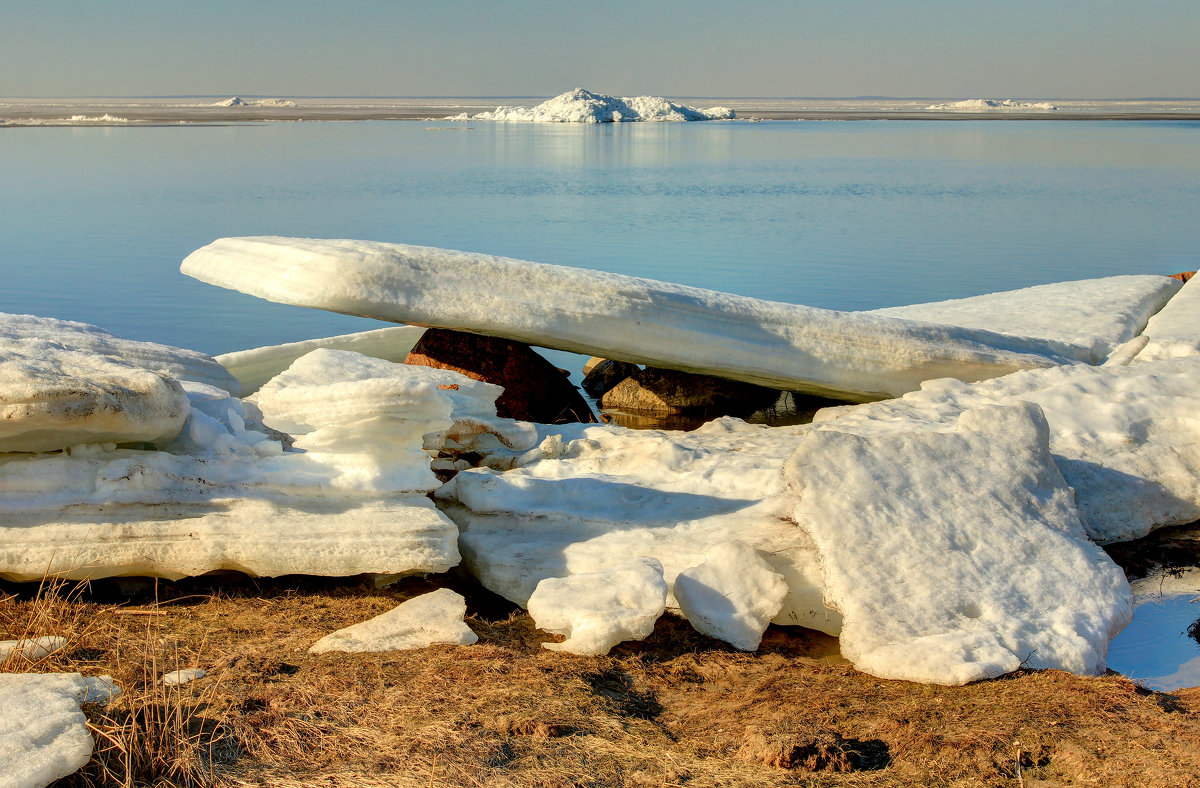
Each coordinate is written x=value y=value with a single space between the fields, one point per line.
x=30 y=648
x=178 y=677
x=436 y=617
x=43 y=733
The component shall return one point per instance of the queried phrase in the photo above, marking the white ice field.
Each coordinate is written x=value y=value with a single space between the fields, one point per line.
x=947 y=535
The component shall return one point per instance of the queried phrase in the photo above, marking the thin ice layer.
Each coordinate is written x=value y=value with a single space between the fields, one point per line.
x=1173 y=332
x=1127 y=439
x=43 y=733
x=1086 y=320
x=68 y=334
x=848 y=355
x=52 y=397
x=956 y=556
x=425 y=620
x=589 y=497
x=597 y=610
x=256 y=366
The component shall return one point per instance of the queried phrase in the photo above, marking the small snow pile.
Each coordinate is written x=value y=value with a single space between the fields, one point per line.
x=43 y=733
x=30 y=649
x=583 y=106
x=236 y=101
x=178 y=678
x=425 y=620
x=598 y=610
x=956 y=556
x=105 y=118
x=989 y=105
x=732 y=596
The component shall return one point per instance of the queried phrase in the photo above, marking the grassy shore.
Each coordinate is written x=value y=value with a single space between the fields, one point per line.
x=678 y=709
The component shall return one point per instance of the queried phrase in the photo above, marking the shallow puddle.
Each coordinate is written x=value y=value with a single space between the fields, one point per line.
x=1156 y=649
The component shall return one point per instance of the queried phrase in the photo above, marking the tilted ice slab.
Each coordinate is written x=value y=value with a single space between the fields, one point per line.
x=848 y=355
x=1086 y=320
x=350 y=497
x=82 y=337
x=1127 y=439
x=590 y=497
x=425 y=620
x=583 y=106
x=1174 y=331
x=956 y=556
x=256 y=366
x=43 y=733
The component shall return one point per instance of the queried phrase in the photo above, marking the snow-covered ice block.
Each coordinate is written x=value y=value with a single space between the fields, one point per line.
x=1173 y=332
x=425 y=620
x=848 y=355
x=588 y=497
x=583 y=106
x=732 y=596
x=956 y=556
x=178 y=678
x=1126 y=438
x=1086 y=320
x=30 y=648
x=52 y=397
x=43 y=733
x=597 y=610
x=70 y=335
x=256 y=366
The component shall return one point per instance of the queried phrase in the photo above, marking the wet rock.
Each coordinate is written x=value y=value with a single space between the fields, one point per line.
x=534 y=389
x=602 y=376
x=665 y=391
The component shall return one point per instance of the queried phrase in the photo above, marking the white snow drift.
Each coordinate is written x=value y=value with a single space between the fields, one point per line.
x=436 y=617
x=583 y=106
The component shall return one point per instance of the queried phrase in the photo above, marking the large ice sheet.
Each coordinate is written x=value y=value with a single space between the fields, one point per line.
x=68 y=334
x=584 y=106
x=1086 y=320
x=1173 y=332
x=256 y=366
x=1127 y=439
x=589 y=497
x=959 y=555
x=436 y=617
x=43 y=734
x=848 y=355
x=52 y=397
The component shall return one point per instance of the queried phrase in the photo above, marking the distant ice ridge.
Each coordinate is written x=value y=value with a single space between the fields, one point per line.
x=105 y=118
x=984 y=105
x=237 y=101
x=583 y=106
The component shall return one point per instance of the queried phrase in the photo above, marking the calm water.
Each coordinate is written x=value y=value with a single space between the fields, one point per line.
x=842 y=215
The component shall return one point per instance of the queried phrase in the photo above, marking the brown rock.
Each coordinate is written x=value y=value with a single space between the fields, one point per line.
x=606 y=374
x=534 y=389
x=666 y=391
x=1183 y=277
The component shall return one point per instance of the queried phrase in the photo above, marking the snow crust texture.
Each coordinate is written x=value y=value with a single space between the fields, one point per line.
x=426 y=620
x=598 y=610
x=43 y=733
x=583 y=106
x=849 y=355
x=956 y=556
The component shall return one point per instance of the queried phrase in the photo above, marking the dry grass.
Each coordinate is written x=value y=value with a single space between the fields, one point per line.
x=676 y=710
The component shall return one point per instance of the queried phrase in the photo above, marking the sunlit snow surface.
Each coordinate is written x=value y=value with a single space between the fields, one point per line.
x=43 y=733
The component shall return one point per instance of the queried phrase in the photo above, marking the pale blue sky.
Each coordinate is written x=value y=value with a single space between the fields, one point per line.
x=953 y=48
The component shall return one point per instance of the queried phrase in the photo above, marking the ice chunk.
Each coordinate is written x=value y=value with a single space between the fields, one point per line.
x=43 y=733
x=30 y=648
x=1086 y=320
x=69 y=335
x=1126 y=438
x=848 y=355
x=255 y=367
x=52 y=397
x=436 y=617
x=956 y=556
x=588 y=497
x=598 y=610
x=185 y=676
x=583 y=106
x=732 y=596
x=1173 y=331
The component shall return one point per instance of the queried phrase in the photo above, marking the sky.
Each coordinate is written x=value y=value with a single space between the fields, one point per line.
x=837 y=48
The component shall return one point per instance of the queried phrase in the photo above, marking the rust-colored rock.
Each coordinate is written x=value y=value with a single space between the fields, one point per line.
x=666 y=391
x=1183 y=277
x=604 y=375
x=534 y=389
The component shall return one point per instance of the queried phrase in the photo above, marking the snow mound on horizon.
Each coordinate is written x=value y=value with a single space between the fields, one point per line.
x=238 y=101
x=583 y=106
x=105 y=118
x=985 y=105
